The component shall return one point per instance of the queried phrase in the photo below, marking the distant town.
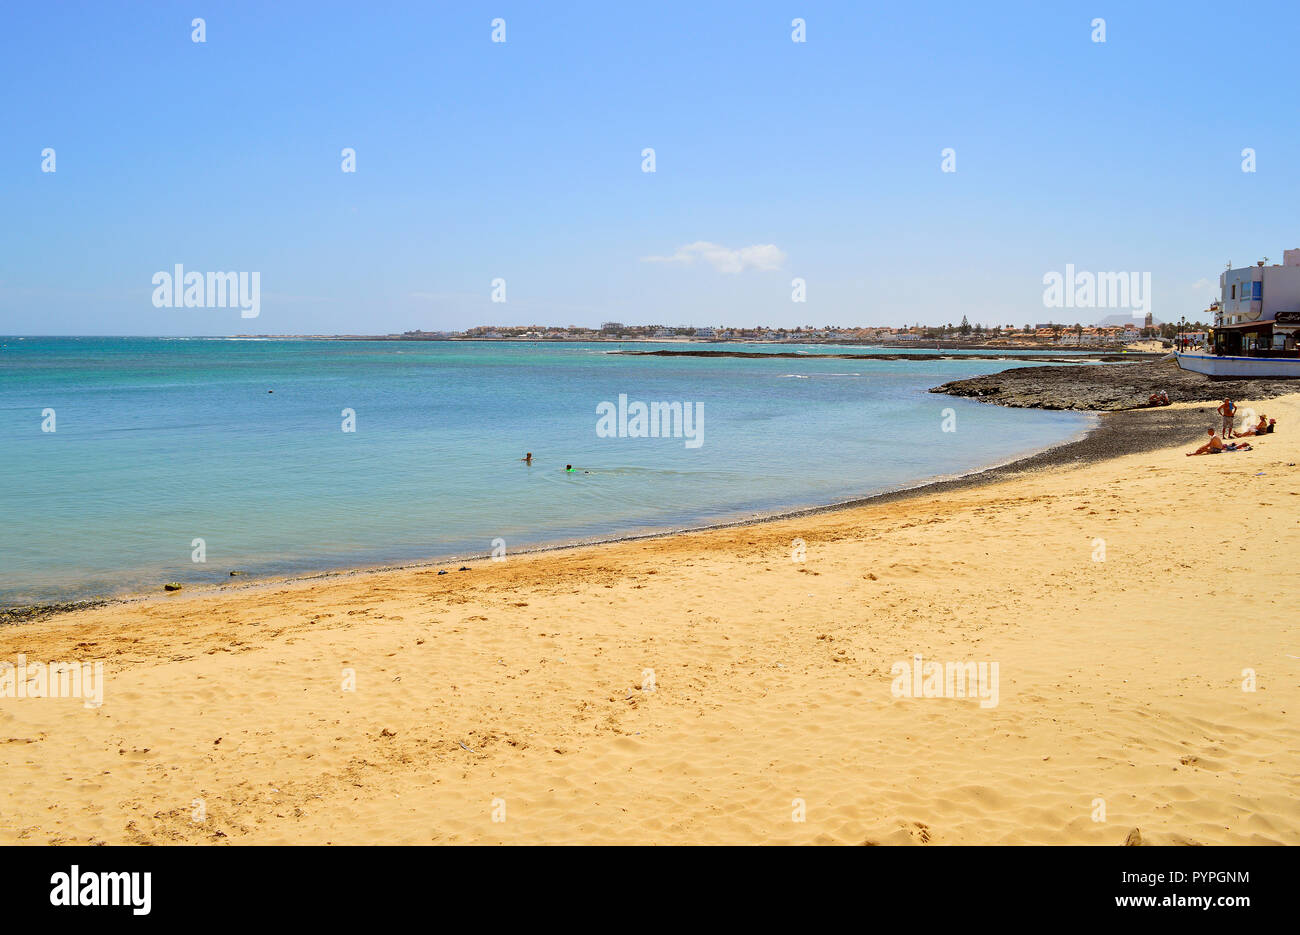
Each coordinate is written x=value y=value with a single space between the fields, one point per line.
x=1111 y=332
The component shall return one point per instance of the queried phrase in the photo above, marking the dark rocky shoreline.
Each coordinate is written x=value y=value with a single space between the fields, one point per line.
x=1108 y=387
x=30 y=613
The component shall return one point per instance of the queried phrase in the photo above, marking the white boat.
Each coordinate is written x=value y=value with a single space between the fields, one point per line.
x=1223 y=365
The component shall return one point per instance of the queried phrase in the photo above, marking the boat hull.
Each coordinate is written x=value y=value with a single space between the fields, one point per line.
x=1215 y=366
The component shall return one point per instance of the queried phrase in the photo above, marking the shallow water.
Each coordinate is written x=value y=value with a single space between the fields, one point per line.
x=159 y=442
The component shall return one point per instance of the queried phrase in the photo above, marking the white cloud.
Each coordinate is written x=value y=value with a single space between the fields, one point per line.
x=1204 y=283
x=764 y=256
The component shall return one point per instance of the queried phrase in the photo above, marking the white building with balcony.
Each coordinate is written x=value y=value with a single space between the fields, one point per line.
x=1259 y=306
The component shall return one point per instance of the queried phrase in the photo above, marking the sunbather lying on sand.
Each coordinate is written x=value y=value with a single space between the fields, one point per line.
x=1216 y=445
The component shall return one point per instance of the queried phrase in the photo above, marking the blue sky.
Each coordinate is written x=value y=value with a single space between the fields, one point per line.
x=522 y=160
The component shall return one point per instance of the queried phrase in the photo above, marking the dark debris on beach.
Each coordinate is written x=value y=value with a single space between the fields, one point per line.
x=34 y=612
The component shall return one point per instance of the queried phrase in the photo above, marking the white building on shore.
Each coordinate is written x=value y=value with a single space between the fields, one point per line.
x=1259 y=306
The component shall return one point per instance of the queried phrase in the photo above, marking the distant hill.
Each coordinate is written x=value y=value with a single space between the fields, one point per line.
x=1127 y=318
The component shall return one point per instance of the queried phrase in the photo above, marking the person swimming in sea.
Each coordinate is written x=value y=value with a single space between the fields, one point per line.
x=527 y=459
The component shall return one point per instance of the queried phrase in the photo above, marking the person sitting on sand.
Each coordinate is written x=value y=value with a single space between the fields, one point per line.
x=1258 y=428
x=1215 y=445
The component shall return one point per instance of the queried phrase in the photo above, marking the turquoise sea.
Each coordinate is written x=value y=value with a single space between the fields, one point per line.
x=158 y=442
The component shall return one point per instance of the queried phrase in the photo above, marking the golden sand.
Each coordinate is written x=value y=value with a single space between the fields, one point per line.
x=1126 y=603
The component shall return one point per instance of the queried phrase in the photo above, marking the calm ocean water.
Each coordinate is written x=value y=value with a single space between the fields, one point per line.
x=159 y=442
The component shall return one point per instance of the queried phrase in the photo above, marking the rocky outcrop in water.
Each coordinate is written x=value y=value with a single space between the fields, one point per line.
x=926 y=355
x=1108 y=387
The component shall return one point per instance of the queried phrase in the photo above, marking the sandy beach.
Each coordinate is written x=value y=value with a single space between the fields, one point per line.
x=730 y=686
